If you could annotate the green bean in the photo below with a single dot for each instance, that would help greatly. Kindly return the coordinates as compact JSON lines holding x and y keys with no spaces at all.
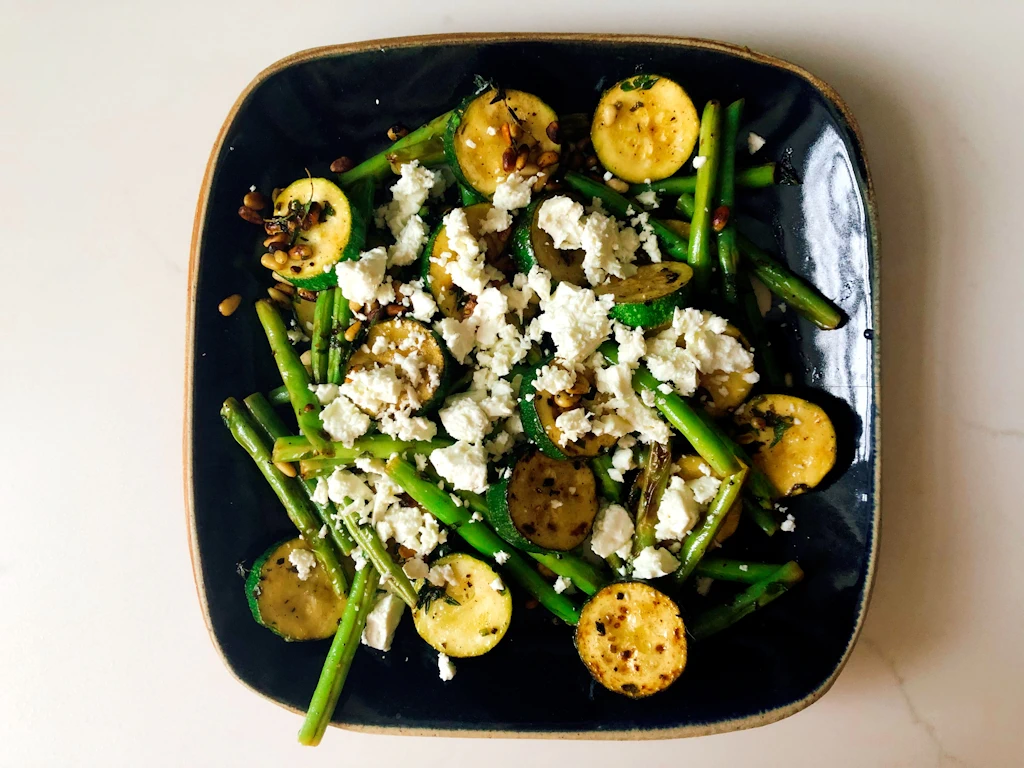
{"x":746,"y":602}
{"x":698,"y":540}
{"x":728,"y":253}
{"x":699,"y":255}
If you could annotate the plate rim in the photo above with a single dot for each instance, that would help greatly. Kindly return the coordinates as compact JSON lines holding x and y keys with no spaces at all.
{"x":434,"y":40}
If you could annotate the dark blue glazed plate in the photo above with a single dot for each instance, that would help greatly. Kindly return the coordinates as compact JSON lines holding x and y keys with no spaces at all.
{"x":314,"y":106}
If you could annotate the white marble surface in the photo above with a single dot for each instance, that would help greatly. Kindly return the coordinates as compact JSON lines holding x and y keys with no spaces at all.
{"x":108,"y":112}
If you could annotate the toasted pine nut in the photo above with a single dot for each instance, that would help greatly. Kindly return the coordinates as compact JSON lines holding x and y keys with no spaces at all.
{"x":300,"y":252}
{"x":553,"y":185}
{"x":552,"y":131}
{"x":253,"y":217}
{"x":508,"y":159}
{"x":580,"y":387}
{"x":355,"y":306}
{"x":720,"y":218}
{"x":609,"y":113}
{"x":229,"y":305}
{"x":275,"y":241}
{"x":278,"y":297}
{"x":530,"y":169}
{"x":566,"y":400}
{"x":268,"y":261}
{"x":286,"y":288}
{"x":547,"y":159}
{"x":405,"y":552}
{"x":590,"y":161}
{"x":353,"y":330}
{"x":397,"y":131}
{"x":514,"y":130}
{"x":506,"y":133}
{"x":254,"y":200}
{"x":283,"y":281}
{"x":340,"y":165}
{"x":281,"y":257}
{"x":618,"y":185}
{"x":286,"y":468}
{"x":307,"y":295}
{"x":394,"y":310}
{"x":306,"y":358}
{"x":521,"y":157}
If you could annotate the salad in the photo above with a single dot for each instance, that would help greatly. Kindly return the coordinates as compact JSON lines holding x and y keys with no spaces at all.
{"x":524,"y":367}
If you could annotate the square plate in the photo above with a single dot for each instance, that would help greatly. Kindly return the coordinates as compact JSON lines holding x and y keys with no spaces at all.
{"x":311,"y":107}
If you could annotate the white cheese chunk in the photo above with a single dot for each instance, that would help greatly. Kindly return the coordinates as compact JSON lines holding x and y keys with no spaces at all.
{"x":360,"y":279}
{"x":382,"y":621}
{"x":343,"y":421}
{"x":572,"y":425}
{"x":445,"y":667}
{"x":464,"y":419}
{"x":678,"y":511}
{"x":561,"y":584}
{"x":654,"y":562}
{"x":304,"y":562}
{"x":463,"y":464}
{"x":613,"y":532}
{"x":513,"y":192}
{"x":754,"y":142}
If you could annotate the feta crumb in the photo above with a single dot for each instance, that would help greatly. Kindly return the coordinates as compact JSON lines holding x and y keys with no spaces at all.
{"x":704,"y":488}
{"x":360,"y":279}
{"x":476,"y":517}
{"x":608,"y":176}
{"x":382,"y":621}
{"x":665,"y":388}
{"x":445,"y":668}
{"x":572,"y":425}
{"x":577,"y":321}
{"x":463,"y":465}
{"x":343,"y":421}
{"x":561,"y":218}
{"x":440,"y":575}
{"x":323,"y":529}
{"x":304,"y":562}
{"x":699,"y":160}
{"x":513,"y":192}
{"x":789,"y":524}
{"x":416,"y":568}
{"x":492,"y":131}
{"x":654,"y":562}
{"x":561,"y":584}
{"x":320,"y":493}
{"x":501,"y":557}
{"x":613,"y":532}
{"x":496,"y":220}
{"x":464,"y":419}
{"x":744,"y":567}
{"x":401,"y":426}
{"x":498,"y":585}
{"x":703,"y":584}
{"x":678,"y":511}
{"x":325,"y":393}
{"x":754,"y":142}
{"x":648,"y":199}
{"x":470,"y":143}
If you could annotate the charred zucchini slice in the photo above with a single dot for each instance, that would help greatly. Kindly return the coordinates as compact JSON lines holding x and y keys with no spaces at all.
{"x":451,"y":299}
{"x":632,"y":639}
{"x":648,"y":298}
{"x":539,"y":411}
{"x":476,"y":136}
{"x":393,"y":342}
{"x":794,"y":441}
{"x":287,"y":605}
{"x":644,"y":128}
{"x":532,"y":246}
{"x":544,"y":504}
{"x":338,"y":233}
{"x":468,"y":617}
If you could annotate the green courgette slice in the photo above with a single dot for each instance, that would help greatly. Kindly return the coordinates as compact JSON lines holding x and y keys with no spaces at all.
{"x":285,"y":604}
{"x":465,"y":618}
{"x":544,"y":504}
{"x":648,"y":298}
{"x":539,"y":412}
{"x":452,"y":300}
{"x":339,"y":233}
{"x":390,"y":340}
{"x":532,"y":246}
{"x":644,"y":128}
{"x":631,"y":639}
{"x":475,"y":139}
{"x":303,"y":309}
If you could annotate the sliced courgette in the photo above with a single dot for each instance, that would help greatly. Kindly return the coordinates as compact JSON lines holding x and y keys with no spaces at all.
{"x":338,"y":233}
{"x":466,"y":618}
{"x":532,"y":246}
{"x":539,"y":412}
{"x":285,"y":604}
{"x":452,"y":300}
{"x":793,"y":440}
{"x":632,"y":639}
{"x":392,"y":341}
{"x":689,"y":467}
{"x":727,"y":391}
{"x":648,"y":298}
{"x":303,"y":310}
{"x":644,"y":128}
{"x":476,"y":140}
{"x":544,"y":504}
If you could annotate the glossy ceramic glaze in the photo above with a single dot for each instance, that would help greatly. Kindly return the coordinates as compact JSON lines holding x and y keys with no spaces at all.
{"x":307,"y":110}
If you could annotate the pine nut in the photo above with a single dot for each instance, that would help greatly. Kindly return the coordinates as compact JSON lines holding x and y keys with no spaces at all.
{"x":581,"y":386}
{"x":353,"y":330}
{"x":618,"y":185}
{"x":275,"y":241}
{"x":547,"y":159}
{"x":229,"y":305}
{"x":506,"y":133}
{"x":340,"y":165}
{"x":720,"y":218}
{"x":300,"y":252}
{"x":267,"y":260}
{"x":307,"y":295}
{"x":254,"y":200}
{"x":283,"y":281}
{"x":590,"y":161}
{"x":566,"y":400}
{"x":286,"y":288}
{"x":514,"y":130}
{"x":253,"y":217}
{"x":530,"y":169}
{"x":552,"y":131}
{"x":508,"y":159}
{"x":278,"y":297}
{"x":306,"y":358}
{"x":355,"y":306}
{"x":397,"y":131}
{"x":281,"y":257}
{"x":521,"y":157}
{"x":394,"y":310}
{"x":609,"y":113}
{"x":286,"y":468}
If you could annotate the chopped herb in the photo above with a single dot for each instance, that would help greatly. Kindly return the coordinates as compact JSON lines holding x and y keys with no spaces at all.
{"x":778,"y":423}
{"x":328,"y":209}
{"x":429,"y":593}
{"x":639,"y":83}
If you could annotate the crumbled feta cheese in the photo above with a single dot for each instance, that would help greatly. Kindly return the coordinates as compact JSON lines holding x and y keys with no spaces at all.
{"x":561,"y":584}
{"x":423,"y":305}
{"x":622,"y":460}
{"x":374,"y":389}
{"x":325,"y":393}
{"x":498,"y":585}
{"x":754,"y":142}
{"x":360,"y":279}
{"x":609,"y":249}
{"x":704,"y":488}
{"x":296,"y":336}
{"x":492,"y":131}
{"x":501,"y":557}
{"x":703,"y":584}
{"x":789,"y":524}
{"x":415,"y":184}
{"x":465,"y":262}
{"x":613,"y":532}
{"x":555,"y":503}
{"x":647,"y":237}
{"x":496,"y":220}
{"x":464,"y":419}
{"x":572,"y":425}
{"x":458,"y":336}
{"x":470,"y":143}
{"x":324,"y":530}
{"x":416,"y":568}
{"x":304,"y":562}
{"x":560,"y":217}
{"x":648,"y":199}
{"x":513,"y":192}
{"x":678,"y":511}
{"x":343,"y":421}
{"x":665,"y":388}
{"x":608,"y":176}
{"x":628,"y":411}
{"x":445,"y":668}
{"x":699,"y":160}
{"x":654,"y":562}
{"x":476,"y":517}
{"x":382,"y":621}
{"x":348,"y":490}
{"x":359,"y":559}
{"x":577,"y":321}
{"x":632,"y":345}
{"x":441,"y":575}
{"x":320,"y":493}
{"x":401,"y":426}
{"x":408,"y":526}
{"x":463,"y":464}
{"x":615,"y":474}
{"x":744,"y":567}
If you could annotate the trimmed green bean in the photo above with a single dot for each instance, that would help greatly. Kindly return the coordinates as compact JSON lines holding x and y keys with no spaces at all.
{"x":697,"y":541}
{"x":378,"y":167}
{"x":320,"y":340}
{"x":728,"y":253}
{"x":746,"y":602}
